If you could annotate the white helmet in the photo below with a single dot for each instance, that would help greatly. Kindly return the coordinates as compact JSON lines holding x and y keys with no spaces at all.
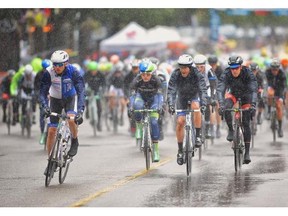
{"x":28,"y":69}
{"x":200,"y":59}
{"x":185,"y":60}
{"x":59,"y":56}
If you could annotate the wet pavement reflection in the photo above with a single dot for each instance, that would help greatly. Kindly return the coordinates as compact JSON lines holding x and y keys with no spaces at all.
{"x":215,"y":187}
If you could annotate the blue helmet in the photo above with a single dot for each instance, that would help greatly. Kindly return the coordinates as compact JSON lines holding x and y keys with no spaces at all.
{"x":146,"y":66}
{"x":46,"y":63}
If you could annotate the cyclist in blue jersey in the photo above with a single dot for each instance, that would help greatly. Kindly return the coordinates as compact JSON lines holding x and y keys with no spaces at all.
{"x":64,"y":84}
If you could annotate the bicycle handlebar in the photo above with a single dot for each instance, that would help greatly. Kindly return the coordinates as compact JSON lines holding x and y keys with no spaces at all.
{"x":187,"y":110}
{"x":146,"y":110}
{"x":62,"y":116}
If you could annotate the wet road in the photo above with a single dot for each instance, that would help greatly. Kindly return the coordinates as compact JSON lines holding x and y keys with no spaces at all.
{"x":109,"y":171}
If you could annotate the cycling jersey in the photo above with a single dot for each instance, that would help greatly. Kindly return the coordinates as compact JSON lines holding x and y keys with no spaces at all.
{"x":63,"y":86}
{"x":187,"y":87}
{"x":278,"y":83}
{"x":244,"y":84}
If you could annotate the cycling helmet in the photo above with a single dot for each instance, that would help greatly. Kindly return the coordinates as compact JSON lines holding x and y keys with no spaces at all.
{"x":92,"y":66}
{"x":146,"y":66}
{"x":11,"y":72}
{"x":185,"y":59}
{"x":114,"y":59}
{"x":275,"y":63}
{"x":254,"y":66}
{"x":28,"y":69}
{"x":235,"y":61}
{"x":135,"y":63}
{"x":154,"y":60}
{"x":46,"y":63}
{"x":284,"y":62}
{"x":59,"y":56}
{"x":200,"y":59}
{"x":212,"y":59}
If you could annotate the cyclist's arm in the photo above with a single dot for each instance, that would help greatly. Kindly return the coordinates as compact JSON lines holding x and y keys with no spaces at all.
{"x":44,"y":89}
{"x":253,"y":86}
{"x":221,"y":88}
{"x":202,"y":89}
{"x":172,"y":89}
{"x":79,"y":85}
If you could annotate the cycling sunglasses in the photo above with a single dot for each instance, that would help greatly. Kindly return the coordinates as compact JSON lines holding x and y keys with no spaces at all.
{"x":58,"y":64}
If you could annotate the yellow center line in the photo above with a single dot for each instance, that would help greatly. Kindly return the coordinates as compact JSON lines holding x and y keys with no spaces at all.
{"x":116,"y":185}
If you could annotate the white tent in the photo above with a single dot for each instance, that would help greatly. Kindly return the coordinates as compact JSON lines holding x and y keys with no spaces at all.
{"x":164,"y":34}
{"x":133,"y":37}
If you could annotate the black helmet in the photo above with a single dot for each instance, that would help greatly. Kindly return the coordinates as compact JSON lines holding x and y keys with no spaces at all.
{"x":212,"y":59}
{"x":254,"y":66}
{"x":275,"y":63}
{"x":235,"y":61}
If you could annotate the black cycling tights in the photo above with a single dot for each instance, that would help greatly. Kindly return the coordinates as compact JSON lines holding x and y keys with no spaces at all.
{"x":245,"y":121}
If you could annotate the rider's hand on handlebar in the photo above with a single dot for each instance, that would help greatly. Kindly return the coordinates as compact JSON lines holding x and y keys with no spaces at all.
{"x":221,"y":110}
{"x":171,"y":109}
{"x":47,"y":111}
{"x":79,"y":118}
{"x":252,"y":110}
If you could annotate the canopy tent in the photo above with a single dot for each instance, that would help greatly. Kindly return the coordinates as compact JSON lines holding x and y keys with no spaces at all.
{"x":133,"y":37}
{"x":164,"y":34}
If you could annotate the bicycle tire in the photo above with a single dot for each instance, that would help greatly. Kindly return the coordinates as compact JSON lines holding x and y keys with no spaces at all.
{"x":93,"y":121}
{"x":237,"y":153}
{"x":146,"y":147}
{"x":63,"y":170}
{"x":9,"y":117}
{"x":273,"y":125}
{"x":188,"y":153}
{"x":115,"y":120}
{"x":50,"y":172}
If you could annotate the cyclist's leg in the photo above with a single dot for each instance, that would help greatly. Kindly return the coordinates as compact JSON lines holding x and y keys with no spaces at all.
{"x":207,"y":117}
{"x":69,"y":109}
{"x":218,"y":121}
{"x":55,"y":106}
{"x":180,"y":123}
{"x":247,"y":135}
{"x":279,"y":110}
{"x":229,"y":102}
{"x":197,"y":122}
{"x":156,"y":104}
{"x":4,"y":106}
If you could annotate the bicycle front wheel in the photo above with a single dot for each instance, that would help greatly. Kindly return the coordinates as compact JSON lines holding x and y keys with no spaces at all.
{"x":64,"y":169}
{"x":51,"y":167}
{"x":238,"y":153}
{"x":188,"y":153}
{"x":273,"y":125}
{"x":146,"y":148}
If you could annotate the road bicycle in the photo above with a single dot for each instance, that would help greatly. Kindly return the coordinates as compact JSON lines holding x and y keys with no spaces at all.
{"x":238,"y":139}
{"x":189,"y":137}
{"x":93,"y":112}
{"x":9,"y":111}
{"x":144,"y":131}
{"x":27,"y":118}
{"x":59,"y":160}
{"x":274,"y":122}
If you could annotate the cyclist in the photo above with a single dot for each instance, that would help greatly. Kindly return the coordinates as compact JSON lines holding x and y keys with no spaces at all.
{"x":210,"y":79}
{"x":116,"y":90}
{"x":238,"y":81}
{"x":164,"y":77}
{"x":96,"y":83}
{"x":146,"y":88}
{"x":218,"y":70}
{"x":45,"y":64}
{"x":5,"y":90}
{"x":256,"y":71}
{"x":186,"y":83}
{"x":26,"y":89}
{"x":276,"y":81}
{"x":63,"y":83}
{"x":127,"y":91}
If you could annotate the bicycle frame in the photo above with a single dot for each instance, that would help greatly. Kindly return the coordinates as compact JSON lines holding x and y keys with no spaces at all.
{"x":26,"y":122}
{"x":93,"y":112}
{"x":146,"y":144}
{"x":58,"y":157}
{"x":238,"y":139}
{"x":189,"y":138}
